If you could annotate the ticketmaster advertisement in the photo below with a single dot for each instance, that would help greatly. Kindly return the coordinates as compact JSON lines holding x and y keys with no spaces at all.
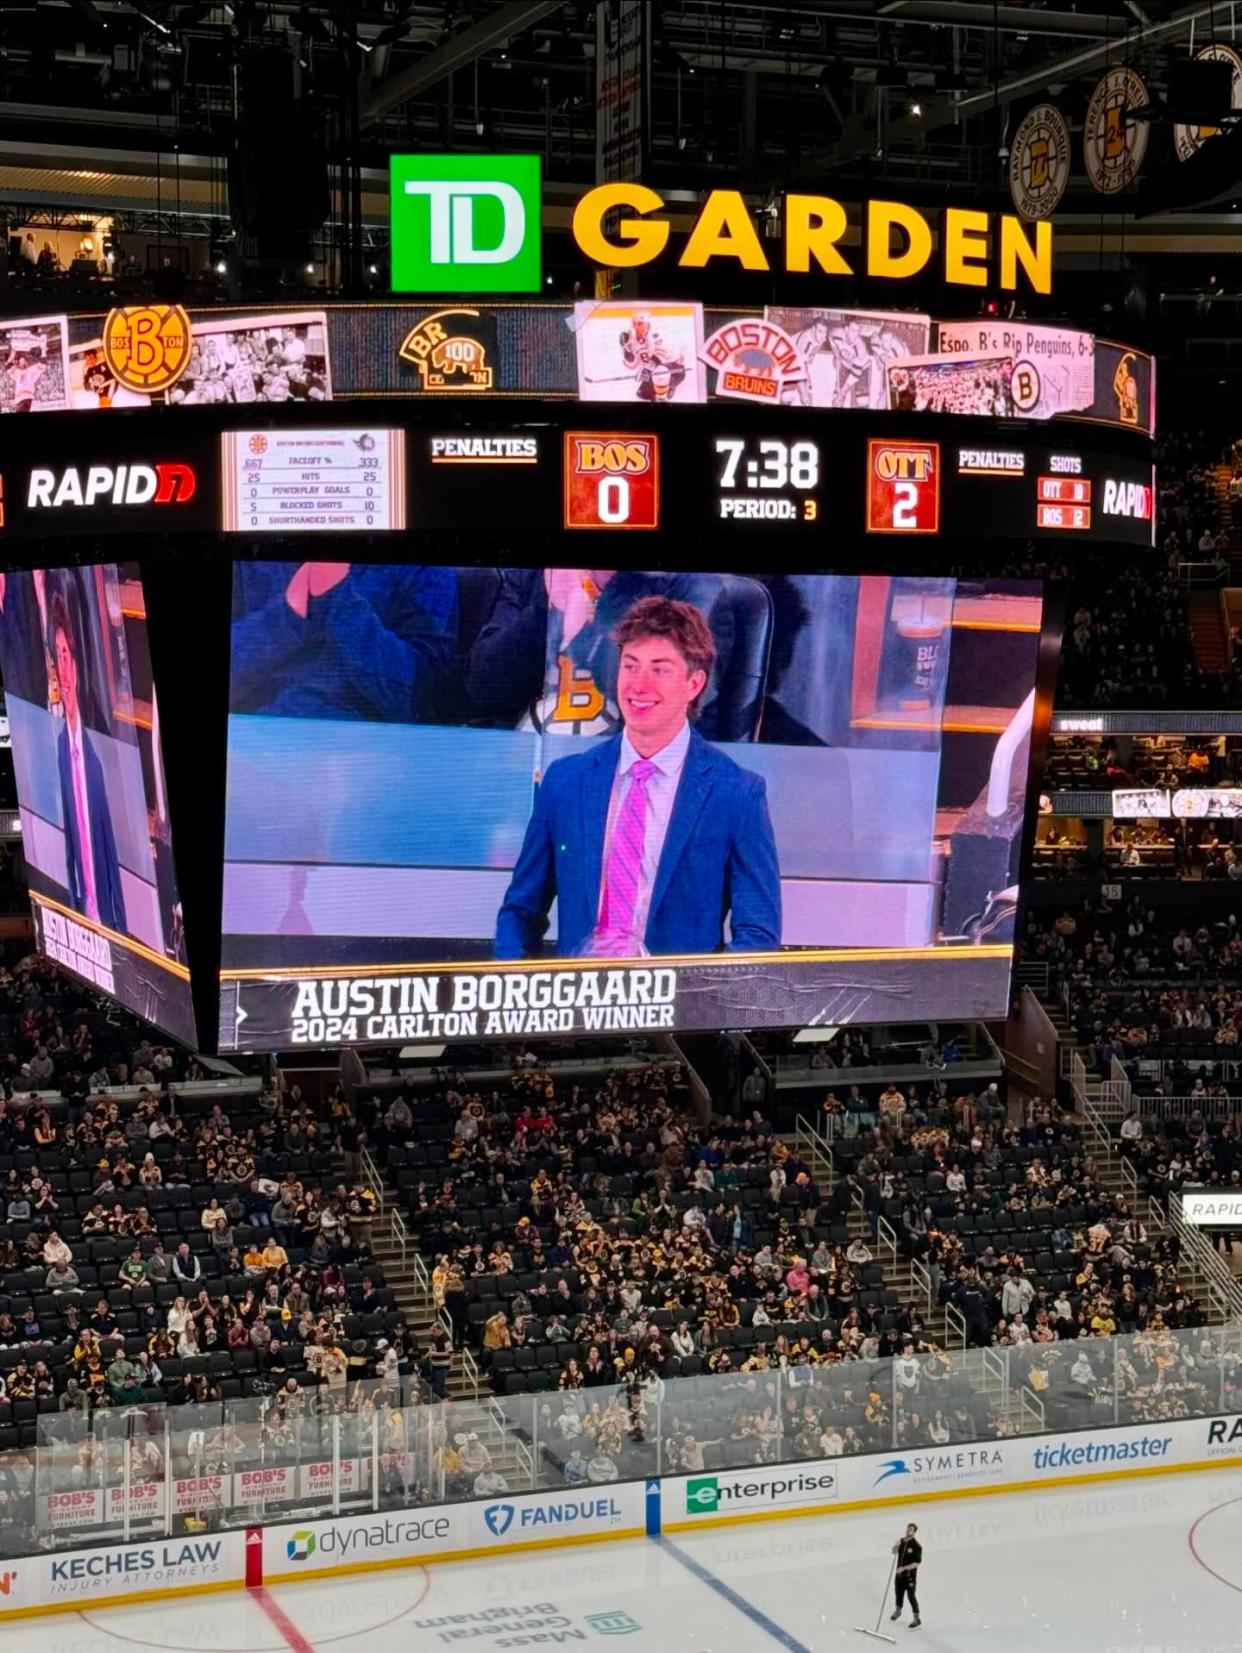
{"x":547,"y":801}
{"x":160,"y":1563}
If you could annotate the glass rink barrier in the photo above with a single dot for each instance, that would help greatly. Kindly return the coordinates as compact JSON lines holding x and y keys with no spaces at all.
{"x":151,"y":1471}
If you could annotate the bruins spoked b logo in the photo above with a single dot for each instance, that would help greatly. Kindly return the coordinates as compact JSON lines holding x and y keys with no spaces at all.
{"x":1039,"y":162}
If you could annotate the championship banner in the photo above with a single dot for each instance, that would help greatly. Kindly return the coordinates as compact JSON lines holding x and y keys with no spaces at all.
{"x":1053,"y":367}
{"x":267,"y":1011}
{"x":622,"y":75}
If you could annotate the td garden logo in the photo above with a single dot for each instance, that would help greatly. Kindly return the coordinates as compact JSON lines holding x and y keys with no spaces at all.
{"x":301,"y":1546}
{"x":465,"y":223}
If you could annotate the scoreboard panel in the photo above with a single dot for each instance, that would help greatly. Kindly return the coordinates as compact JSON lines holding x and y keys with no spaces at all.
{"x":903,"y":487}
{"x":809,"y":474}
{"x":313,"y":481}
{"x":611,"y":479}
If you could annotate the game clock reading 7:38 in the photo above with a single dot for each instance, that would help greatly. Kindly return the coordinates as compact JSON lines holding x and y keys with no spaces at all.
{"x":767,"y":480}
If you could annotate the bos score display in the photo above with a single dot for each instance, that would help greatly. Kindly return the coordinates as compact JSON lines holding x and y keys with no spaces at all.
{"x":612,"y":480}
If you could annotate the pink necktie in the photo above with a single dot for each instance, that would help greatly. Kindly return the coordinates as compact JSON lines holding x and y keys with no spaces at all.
{"x":84,"y":844}
{"x":625,"y":861}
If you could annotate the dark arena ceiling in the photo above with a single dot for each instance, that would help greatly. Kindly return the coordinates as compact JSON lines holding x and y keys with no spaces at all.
{"x":135,"y":106}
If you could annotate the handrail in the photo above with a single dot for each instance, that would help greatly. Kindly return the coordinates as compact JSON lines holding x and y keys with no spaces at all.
{"x":422,"y":1279}
{"x":1128,"y":1175}
{"x":469,"y":1364}
{"x":1029,"y":1401}
{"x":955,"y":1322}
{"x":920,"y":1277}
{"x":886,"y":1239}
{"x":1161,"y":1108}
{"x":400,"y":1238}
{"x":526,"y":1461}
{"x":374,"y":1180}
{"x":818,"y":1142}
{"x":1098,"y":1130}
{"x":998,"y":1365}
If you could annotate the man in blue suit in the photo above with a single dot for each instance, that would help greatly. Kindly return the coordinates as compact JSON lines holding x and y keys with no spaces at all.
{"x":93,"y":869}
{"x":648,"y":840}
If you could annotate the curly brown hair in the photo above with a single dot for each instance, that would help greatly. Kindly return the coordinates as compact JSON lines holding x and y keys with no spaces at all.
{"x":680,"y":624}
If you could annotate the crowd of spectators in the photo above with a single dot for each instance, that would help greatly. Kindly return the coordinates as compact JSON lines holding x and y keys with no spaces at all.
{"x":157,"y":1249}
{"x":1134,"y":984}
{"x":1093,"y":763}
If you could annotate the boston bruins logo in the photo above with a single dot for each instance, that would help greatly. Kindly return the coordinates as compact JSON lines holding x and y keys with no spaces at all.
{"x":1039,"y":162}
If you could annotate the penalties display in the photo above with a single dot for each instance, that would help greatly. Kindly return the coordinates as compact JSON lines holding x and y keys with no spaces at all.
{"x":818,"y":475}
{"x":308,"y":481}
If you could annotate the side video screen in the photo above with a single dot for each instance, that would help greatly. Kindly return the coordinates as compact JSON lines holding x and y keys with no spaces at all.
{"x":500,"y":802}
{"x":90,"y":785}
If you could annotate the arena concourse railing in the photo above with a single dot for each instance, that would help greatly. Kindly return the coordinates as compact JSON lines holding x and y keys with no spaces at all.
{"x":148,"y":1472}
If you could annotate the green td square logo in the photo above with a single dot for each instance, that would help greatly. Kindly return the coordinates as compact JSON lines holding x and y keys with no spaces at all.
{"x":465,"y":223}
{"x":702,"y":1495}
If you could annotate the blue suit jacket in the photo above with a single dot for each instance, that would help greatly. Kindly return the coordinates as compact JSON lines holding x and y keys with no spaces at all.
{"x":719,"y":859}
{"x":108,"y":891}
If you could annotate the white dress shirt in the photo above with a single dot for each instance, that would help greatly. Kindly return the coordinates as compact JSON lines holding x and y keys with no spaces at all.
{"x":661,"y":796}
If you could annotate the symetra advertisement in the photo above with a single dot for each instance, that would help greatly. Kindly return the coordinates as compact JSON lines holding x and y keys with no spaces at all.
{"x":160,"y":1565}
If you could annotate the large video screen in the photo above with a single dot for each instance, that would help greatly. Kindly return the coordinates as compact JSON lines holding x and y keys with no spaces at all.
{"x":505,"y":802}
{"x":90,"y":785}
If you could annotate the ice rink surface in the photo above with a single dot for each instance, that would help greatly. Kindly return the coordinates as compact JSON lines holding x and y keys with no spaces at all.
{"x":1146,"y":1566}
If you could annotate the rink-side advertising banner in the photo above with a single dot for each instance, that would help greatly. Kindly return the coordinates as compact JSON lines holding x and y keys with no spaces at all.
{"x":261,"y":1011}
{"x":647,"y":352}
{"x":157,"y":1564}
